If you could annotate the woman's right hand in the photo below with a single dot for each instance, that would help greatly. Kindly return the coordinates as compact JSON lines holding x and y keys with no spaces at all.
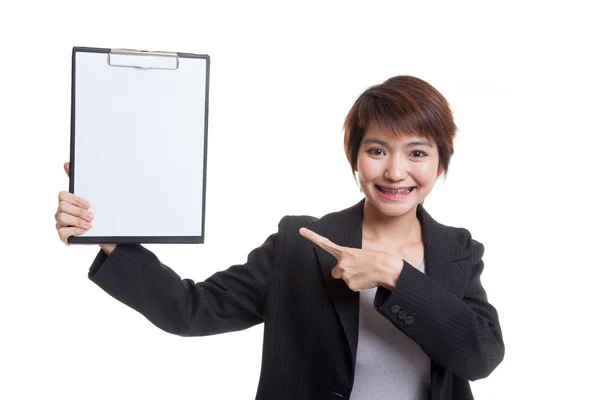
{"x":74,"y":218}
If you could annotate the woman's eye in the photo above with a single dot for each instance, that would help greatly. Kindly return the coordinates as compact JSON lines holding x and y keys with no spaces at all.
{"x":376,"y":152}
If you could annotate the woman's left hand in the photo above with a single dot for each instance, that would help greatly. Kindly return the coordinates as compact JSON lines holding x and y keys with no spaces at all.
{"x":360,"y":268}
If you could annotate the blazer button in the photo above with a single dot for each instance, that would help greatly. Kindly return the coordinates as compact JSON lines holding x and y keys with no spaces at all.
{"x":409,"y":320}
{"x":395,"y":309}
{"x":402,"y":315}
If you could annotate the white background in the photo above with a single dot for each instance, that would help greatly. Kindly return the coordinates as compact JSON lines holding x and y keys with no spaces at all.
{"x":521,"y":78}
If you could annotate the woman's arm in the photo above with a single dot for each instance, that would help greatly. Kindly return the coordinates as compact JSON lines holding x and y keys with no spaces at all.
{"x":229,"y":300}
{"x":462,"y":334}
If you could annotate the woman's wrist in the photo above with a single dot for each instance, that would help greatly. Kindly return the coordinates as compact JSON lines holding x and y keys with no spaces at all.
{"x":108,"y":248}
{"x":392,"y":274}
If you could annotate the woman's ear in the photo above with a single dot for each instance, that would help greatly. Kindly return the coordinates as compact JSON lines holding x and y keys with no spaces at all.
{"x":440,"y":170}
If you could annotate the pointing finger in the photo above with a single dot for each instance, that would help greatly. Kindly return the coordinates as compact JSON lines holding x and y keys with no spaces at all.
{"x":324,"y":243}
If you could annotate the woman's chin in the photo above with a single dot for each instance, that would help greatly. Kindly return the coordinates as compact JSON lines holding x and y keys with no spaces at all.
{"x":393,"y":209}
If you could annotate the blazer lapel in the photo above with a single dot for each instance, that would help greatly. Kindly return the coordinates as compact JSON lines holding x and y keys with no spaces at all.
{"x":446,"y":261}
{"x":345,"y":229}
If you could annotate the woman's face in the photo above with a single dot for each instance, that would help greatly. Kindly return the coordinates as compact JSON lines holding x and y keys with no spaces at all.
{"x":388,"y":162}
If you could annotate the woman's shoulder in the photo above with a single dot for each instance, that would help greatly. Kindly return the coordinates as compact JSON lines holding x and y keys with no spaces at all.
{"x":327,"y":225}
{"x":295,"y":222}
{"x":457,"y":235}
{"x":470,"y":245}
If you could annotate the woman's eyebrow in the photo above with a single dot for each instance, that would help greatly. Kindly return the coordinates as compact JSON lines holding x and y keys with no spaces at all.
{"x":376,"y":141}
{"x":410,"y":144}
{"x":419,"y":143}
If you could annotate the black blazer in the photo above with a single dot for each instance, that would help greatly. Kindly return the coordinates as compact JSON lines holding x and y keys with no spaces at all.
{"x":311,"y":319}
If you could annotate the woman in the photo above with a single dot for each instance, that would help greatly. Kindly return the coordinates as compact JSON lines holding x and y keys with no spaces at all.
{"x":376,"y":301}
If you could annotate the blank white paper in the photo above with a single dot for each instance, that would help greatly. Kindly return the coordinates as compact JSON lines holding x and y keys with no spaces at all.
{"x":139,"y":146}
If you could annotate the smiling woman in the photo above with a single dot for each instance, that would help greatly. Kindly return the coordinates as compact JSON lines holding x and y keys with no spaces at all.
{"x":396,"y":307}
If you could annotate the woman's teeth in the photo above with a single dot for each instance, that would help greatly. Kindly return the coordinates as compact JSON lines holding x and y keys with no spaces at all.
{"x":398,"y":191}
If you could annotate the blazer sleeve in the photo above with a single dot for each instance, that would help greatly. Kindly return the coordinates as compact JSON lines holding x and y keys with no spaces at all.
{"x":229,"y":300}
{"x":461,"y":334}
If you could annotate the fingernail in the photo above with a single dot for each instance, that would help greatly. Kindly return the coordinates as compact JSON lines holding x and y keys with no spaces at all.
{"x":87,"y":225}
{"x":90,"y":215}
{"x":87,"y":204}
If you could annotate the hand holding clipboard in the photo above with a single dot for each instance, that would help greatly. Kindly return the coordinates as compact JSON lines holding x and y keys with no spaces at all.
{"x":74,"y":217}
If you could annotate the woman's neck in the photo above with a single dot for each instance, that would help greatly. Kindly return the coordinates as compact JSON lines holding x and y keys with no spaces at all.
{"x":385,"y":229}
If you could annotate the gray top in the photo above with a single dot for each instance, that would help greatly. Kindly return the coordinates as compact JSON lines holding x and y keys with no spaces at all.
{"x":389,"y":364}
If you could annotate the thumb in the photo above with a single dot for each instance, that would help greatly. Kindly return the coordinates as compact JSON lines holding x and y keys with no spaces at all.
{"x":67,"y":167}
{"x":336,"y":272}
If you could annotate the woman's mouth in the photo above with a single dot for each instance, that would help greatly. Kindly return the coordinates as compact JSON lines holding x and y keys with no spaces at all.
{"x":390,"y":193}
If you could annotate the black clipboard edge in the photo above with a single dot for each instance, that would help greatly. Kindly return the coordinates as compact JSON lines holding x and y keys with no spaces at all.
{"x":135,"y":239}
{"x":138,"y":239}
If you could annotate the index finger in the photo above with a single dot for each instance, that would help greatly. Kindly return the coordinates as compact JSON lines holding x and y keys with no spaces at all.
{"x":71,"y":198}
{"x":324,"y":243}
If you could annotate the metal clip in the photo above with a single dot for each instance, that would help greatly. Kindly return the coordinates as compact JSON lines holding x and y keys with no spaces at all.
{"x":115,"y":59}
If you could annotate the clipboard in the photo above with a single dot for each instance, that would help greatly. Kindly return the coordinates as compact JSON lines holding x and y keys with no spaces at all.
{"x":139,"y":127}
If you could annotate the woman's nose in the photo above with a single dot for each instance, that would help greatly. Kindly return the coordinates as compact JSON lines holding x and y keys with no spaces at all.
{"x":396,"y":169}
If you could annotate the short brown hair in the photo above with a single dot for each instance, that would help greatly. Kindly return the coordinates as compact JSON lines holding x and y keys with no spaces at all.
{"x":404,"y":104}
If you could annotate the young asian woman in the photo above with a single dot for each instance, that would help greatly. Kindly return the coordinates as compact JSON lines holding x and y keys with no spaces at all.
{"x":377,"y":301}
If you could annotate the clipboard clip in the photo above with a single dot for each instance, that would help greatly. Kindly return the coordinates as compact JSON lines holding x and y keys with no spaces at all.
{"x":142,"y":59}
